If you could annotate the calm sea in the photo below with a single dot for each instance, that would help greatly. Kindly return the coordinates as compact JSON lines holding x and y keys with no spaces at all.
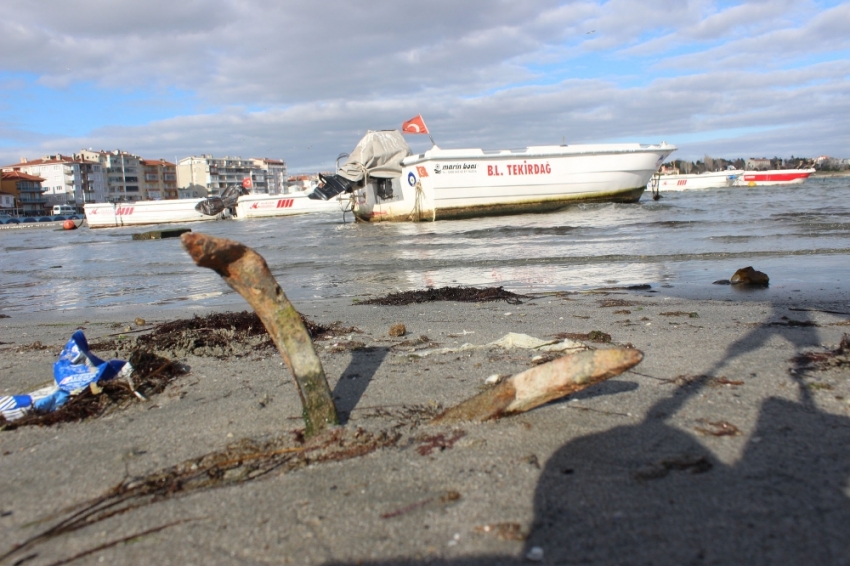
{"x":680,"y":244}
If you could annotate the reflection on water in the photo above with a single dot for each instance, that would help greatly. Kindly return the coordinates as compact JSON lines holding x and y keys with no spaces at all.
{"x":798,"y":235}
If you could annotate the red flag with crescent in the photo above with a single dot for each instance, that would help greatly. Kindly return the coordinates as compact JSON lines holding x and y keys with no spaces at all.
{"x":415,"y":126}
{"x":247,"y":183}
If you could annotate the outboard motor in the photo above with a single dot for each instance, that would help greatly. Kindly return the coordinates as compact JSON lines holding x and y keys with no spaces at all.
{"x":329,"y":187}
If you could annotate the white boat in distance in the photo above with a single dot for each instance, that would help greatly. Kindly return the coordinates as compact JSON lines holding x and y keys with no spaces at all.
{"x":774,"y":177}
{"x":388,"y":183}
{"x":707,"y":180}
{"x":266,"y":206}
{"x":110,"y":215}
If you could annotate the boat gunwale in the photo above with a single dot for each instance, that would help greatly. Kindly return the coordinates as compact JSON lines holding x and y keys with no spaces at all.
{"x":454,"y":154}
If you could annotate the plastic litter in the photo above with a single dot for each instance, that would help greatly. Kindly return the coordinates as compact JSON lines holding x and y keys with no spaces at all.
{"x":75,"y":370}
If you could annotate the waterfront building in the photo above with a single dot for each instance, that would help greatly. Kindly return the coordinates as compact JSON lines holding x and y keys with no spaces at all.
{"x":123,"y":171}
{"x":26,"y":190}
{"x":275,"y":175}
{"x":67,"y":180}
{"x":160,"y":179}
{"x":205,"y":175}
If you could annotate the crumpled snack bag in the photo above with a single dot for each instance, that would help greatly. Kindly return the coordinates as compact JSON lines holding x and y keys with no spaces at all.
{"x":75,"y":369}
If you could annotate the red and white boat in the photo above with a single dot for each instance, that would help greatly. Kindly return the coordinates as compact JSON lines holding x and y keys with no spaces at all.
{"x":707,"y":180}
{"x":267,"y":206}
{"x":774,"y":177}
{"x":110,"y":215}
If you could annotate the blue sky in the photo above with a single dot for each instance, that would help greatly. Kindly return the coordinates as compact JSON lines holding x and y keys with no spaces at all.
{"x":303,"y":81}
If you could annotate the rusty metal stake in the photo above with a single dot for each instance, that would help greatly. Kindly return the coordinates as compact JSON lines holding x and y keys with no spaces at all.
{"x":538,"y":385}
{"x":248,"y":274}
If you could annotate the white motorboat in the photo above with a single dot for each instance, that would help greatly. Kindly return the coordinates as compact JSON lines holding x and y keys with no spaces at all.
{"x":386,"y":182}
{"x":707,"y":180}
{"x":108,"y":215}
{"x":774,"y":177}
{"x":265,"y":206}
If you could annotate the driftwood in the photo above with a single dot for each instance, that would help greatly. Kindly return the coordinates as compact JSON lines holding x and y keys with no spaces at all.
{"x":541,"y":384}
{"x":248,"y":274}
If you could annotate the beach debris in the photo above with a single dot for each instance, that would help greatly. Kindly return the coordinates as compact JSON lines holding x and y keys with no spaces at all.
{"x":503,"y":531}
{"x":751,"y":277}
{"x":534,"y":554}
{"x":150,"y":375}
{"x":73,"y":372}
{"x":837,"y":358}
{"x":679,"y":313}
{"x":691,"y":463}
{"x":442,"y":500}
{"x":240,"y":462}
{"x":460,"y":294}
{"x":717,"y":428}
{"x":429,"y":443}
{"x":541,"y":384}
{"x":592,"y":336}
{"x":398,"y":330}
{"x":493,"y":379}
{"x":161,"y":234}
{"x":508,"y":341}
{"x":247,"y":273}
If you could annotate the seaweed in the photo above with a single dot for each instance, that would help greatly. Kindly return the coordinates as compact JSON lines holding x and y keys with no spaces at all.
{"x":460,"y":294}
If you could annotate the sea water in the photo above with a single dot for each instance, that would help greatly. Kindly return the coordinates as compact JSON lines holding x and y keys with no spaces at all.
{"x":680,"y":245}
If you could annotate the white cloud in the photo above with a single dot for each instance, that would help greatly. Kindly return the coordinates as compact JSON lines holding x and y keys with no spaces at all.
{"x":303,"y":81}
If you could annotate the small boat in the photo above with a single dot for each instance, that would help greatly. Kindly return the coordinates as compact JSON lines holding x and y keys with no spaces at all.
{"x":774,"y":177}
{"x":388,"y":183}
{"x":110,"y":215}
{"x":707,"y":180}
{"x":265,"y":206}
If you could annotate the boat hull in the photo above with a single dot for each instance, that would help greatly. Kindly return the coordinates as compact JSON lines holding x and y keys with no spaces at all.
{"x":775,"y":177}
{"x":268,"y":206}
{"x":712,"y":180}
{"x":453,"y":184}
{"x":110,"y":215}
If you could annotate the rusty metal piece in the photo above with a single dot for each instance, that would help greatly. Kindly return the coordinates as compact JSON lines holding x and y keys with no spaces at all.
{"x":541,"y":384}
{"x":248,"y":274}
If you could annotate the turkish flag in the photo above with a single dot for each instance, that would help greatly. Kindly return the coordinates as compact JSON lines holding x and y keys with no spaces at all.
{"x":415,"y":126}
{"x":247,"y":183}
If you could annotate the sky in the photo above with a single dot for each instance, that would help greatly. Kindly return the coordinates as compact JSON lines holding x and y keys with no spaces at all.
{"x":303,"y":81}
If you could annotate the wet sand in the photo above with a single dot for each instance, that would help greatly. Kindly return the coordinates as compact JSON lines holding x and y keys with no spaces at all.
{"x":718,"y":447}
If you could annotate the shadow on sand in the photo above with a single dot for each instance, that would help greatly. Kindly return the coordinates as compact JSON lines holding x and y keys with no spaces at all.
{"x":652,"y":494}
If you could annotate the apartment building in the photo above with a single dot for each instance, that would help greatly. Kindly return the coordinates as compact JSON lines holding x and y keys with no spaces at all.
{"x":26,"y":192}
{"x":160,"y":179}
{"x":123,"y":174}
{"x":275,"y":174}
{"x":66,"y":180}
{"x":204,"y":175}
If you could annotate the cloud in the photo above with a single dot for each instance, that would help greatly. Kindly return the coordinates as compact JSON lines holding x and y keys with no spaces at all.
{"x":303,"y":81}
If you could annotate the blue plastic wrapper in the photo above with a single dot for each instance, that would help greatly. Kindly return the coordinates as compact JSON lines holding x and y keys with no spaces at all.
{"x":75,"y":370}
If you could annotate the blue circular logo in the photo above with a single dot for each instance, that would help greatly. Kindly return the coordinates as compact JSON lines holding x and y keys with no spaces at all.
{"x":411,"y":178}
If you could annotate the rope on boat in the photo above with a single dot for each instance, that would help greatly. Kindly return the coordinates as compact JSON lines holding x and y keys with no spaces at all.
{"x":416,"y":213}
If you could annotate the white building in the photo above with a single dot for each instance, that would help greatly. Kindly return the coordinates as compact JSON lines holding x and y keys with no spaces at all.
{"x":123,"y":173}
{"x":205,"y":175}
{"x":67,"y":180}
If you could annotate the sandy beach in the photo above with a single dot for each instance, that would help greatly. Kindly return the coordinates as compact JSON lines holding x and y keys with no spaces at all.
{"x":723,"y":446}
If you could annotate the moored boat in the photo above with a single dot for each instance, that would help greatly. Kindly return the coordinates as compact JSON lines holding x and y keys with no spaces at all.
{"x":109,"y":215}
{"x":265,"y":206}
{"x":707,"y":180}
{"x":774,"y":177}
{"x":387,"y":183}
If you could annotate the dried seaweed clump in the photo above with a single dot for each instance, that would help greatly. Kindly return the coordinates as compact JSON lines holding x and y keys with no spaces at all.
{"x":151,"y":374}
{"x":460,"y":294}
{"x":839,"y":357}
{"x":219,"y":335}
